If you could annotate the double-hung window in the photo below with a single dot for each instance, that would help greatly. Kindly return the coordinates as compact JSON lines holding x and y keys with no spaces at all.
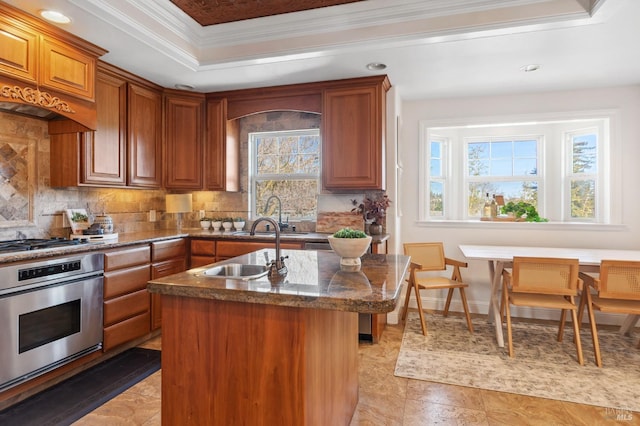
{"x":559,"y":166}
{"x":285,"y":164}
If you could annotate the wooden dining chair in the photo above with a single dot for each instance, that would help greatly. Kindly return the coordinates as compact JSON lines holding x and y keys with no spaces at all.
{"x":544,"y":283}
{"x":427,"y":258}
{"x":616,"y":290}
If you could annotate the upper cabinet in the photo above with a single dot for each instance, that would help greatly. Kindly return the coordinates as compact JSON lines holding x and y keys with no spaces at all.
{"x":222,"y":148}
{"x":144,"y":114}
{"x":126,"y":148}
{"x":183,"y":134}
{"x":43,"y":66}
{"x":353,"y":134}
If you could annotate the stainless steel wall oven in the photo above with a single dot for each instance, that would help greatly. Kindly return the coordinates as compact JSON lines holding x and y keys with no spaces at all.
{"x":50,"y":314}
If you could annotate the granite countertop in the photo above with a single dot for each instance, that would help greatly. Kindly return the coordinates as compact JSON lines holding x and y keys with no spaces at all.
{"x":129,"y":239}
{"x":314,"y":280}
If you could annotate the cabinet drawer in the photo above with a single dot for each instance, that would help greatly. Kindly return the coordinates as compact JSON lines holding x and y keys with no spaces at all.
{"x":164,"y":250}
{"x":117,"y":283}
{"x":197,"y":261}
{"x":168,"y":267}
{"x":125,"y":331}
{"x":127,"y":306}
{"x":128,"y":257}
{"x":203,"y":247}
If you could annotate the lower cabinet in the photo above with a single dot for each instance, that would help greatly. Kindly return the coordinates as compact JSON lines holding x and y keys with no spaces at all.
{"x":203,"y":252}
{"x":168,"y":257}
{"x":228,"y":249}
{"x":126,"y":299}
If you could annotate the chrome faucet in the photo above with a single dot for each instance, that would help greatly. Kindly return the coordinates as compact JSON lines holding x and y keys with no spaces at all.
{"x":266,"y":206}
{"x":277,"y":268}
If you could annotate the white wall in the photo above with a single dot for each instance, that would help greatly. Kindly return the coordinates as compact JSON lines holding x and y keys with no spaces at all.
{"x":625,"y":100}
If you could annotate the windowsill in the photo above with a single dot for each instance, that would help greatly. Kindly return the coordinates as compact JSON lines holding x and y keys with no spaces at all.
{"x":537,"y":226}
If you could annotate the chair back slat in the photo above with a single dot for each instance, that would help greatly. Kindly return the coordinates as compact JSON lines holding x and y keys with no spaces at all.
{"x":619,"y":279}
{"x":429,"y":255}
{"x":545,"y":275}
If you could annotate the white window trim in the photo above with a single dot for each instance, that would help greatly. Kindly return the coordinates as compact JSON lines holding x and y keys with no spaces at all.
{"x":612,"y":192}
{"x":253,"y":208}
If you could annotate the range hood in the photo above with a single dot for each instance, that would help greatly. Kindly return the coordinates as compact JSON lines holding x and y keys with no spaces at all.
{"x":31,"y":111}
{"x":19,"y":98}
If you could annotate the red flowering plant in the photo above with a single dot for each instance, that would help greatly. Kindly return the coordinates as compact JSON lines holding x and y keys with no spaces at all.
{"x":372,"y":208}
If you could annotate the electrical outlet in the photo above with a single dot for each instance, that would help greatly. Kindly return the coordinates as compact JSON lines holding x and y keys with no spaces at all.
{"x":152,"y":215}
{"x":201,"y":214}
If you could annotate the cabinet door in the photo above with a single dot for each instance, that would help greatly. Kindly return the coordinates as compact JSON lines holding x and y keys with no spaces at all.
{"x":145,"y":137}
{"x":183,"y":153}
{"x":104,"y":151}
{"x":353,"y":138}
{"x":18,"y":53}
{"x":67,"y":69}
{"x":221,"y":149}
{"x":159,"y":270}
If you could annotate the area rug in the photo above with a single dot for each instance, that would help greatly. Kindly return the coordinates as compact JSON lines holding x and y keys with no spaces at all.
{"x":77,"y":396}
{"x":542,"y":366}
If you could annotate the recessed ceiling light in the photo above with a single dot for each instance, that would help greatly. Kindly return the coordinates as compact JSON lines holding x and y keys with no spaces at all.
{"x":530,"y":68}
{"x":376,"y":66}
{"x":184,"y":87}
{"x":55,"y":16}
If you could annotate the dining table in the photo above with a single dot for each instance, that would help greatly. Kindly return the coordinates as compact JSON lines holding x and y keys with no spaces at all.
{"x":500,"y":257}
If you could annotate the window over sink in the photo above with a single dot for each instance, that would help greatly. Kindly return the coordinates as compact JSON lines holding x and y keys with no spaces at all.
{"x":286,"y":164}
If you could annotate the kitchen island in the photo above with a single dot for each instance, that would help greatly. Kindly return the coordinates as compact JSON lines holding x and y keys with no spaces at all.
{"x":259,"y":352}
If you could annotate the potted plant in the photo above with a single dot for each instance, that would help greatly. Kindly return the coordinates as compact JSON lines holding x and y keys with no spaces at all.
{"x":238,"y":223}
{"x":523,"y":211}
{"x":227,"y":223}
{"x":216,"y":223}
{"x":350,"y":244}
{"x":373,"y":210}
{"x":205,"y":222}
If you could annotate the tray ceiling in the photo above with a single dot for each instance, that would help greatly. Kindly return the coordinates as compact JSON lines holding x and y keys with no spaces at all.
{"x":222,"y":11}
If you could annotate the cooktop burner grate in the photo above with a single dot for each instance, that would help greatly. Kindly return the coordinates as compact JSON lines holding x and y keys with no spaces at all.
{"x":11,"y":246}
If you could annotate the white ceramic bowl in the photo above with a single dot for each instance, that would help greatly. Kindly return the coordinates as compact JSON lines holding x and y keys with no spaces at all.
{"x":350,"y":249}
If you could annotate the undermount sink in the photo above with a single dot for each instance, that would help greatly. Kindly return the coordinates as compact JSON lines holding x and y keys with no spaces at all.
{"x":237,"y":271}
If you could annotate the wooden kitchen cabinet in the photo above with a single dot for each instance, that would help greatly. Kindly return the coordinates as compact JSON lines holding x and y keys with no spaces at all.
{"x":104,"y":152}
{"x":353,"y":134}
{"x":167,"y":258}
{"x":66,"y":68}
{"x":222,"y":149}
{"x":126,"y":148}
{"x":203,"y":252}
{"x":127,"y":309}
{"x":144,"y":136}
{"x":184,"y":143}
{"x":45,"y":67}
{"x":227,"y":249}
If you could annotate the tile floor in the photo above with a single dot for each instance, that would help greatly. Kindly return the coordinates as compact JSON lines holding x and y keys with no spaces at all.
{"x":389,"y":400}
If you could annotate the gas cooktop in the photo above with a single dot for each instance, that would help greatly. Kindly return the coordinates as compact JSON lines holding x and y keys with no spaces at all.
{"x":11,"y":246}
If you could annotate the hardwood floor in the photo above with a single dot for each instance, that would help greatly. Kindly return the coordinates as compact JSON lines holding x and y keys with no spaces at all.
{"x":389,"y":400}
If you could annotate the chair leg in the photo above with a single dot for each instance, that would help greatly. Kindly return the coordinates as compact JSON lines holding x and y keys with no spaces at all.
{"x":422,"y":322}
{"x":406,"y":299}
{"x":448,"y":303}
{"x":594,"y":332}
{"x":505,"y":299}
{"x":576,"y":330}
{"x":463,"y":296}
{"x":563,"y":317}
